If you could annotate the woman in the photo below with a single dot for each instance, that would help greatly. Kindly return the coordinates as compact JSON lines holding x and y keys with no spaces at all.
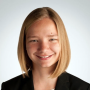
{"x":44,"y":55}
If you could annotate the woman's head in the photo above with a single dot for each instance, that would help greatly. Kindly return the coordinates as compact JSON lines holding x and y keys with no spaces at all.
{"x":36,"y":16}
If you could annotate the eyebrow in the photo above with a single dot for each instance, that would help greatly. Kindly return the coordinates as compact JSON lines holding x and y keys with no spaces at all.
{"x":37,"y":36}
{"x":52,"y":35}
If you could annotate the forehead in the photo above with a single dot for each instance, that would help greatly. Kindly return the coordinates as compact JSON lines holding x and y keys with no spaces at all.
{"x":45,"y":25}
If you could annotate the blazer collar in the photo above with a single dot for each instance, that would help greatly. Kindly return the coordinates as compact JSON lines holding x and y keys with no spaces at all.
{"x":29,"y":82}
{"x":62,"y":82}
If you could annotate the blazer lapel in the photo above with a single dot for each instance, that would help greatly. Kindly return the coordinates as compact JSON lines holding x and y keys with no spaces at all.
{"x":62,"y":82}
{"x":29,"y":82}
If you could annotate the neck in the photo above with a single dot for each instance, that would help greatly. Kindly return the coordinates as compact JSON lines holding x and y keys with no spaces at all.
{"x":41,"y":78}
{"x":43,"y":72}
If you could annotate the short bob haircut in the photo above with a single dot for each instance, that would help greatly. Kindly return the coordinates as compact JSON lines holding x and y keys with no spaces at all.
{"x":64,"y":59}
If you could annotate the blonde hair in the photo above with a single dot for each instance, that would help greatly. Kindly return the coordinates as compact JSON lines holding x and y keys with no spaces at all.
{"x":65,"y":53}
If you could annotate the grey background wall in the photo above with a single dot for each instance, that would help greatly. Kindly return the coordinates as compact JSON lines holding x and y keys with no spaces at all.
{"x":76,"y":17}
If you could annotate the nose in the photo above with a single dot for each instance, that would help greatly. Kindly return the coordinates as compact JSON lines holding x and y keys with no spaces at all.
{"x":43,"y":46}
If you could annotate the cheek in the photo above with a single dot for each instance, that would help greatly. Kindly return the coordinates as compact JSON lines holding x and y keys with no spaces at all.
{"x":31,"y":48}
{"x":56,"y":47}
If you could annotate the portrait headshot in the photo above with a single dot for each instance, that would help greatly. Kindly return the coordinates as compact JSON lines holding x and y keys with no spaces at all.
{"x":45,"y":45}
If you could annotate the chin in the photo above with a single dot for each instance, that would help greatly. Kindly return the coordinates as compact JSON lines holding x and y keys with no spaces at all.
{"x":48,"y":65}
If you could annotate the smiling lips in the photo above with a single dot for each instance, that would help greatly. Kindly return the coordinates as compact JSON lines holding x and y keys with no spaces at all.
{"x":44,"y":57}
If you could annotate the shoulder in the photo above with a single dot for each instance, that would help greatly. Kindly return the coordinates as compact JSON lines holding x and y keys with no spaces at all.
{"x":73,"y":82}
{"x":77,"y":83}
{"x":75,"y":79}
{"x":15,"y":83}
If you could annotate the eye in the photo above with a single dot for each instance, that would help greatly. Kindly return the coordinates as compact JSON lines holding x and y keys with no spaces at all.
{"x":53,"y":39}
{"x":33,"y":41}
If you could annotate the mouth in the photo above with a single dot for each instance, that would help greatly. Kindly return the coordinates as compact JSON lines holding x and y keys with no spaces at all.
{"x":45,"y":57}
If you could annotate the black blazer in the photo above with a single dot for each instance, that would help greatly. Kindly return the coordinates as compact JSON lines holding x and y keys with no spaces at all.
{"x":65,"y":81}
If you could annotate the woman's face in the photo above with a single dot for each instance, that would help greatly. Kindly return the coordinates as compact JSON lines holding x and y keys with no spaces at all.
{"x":42,"y":43}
